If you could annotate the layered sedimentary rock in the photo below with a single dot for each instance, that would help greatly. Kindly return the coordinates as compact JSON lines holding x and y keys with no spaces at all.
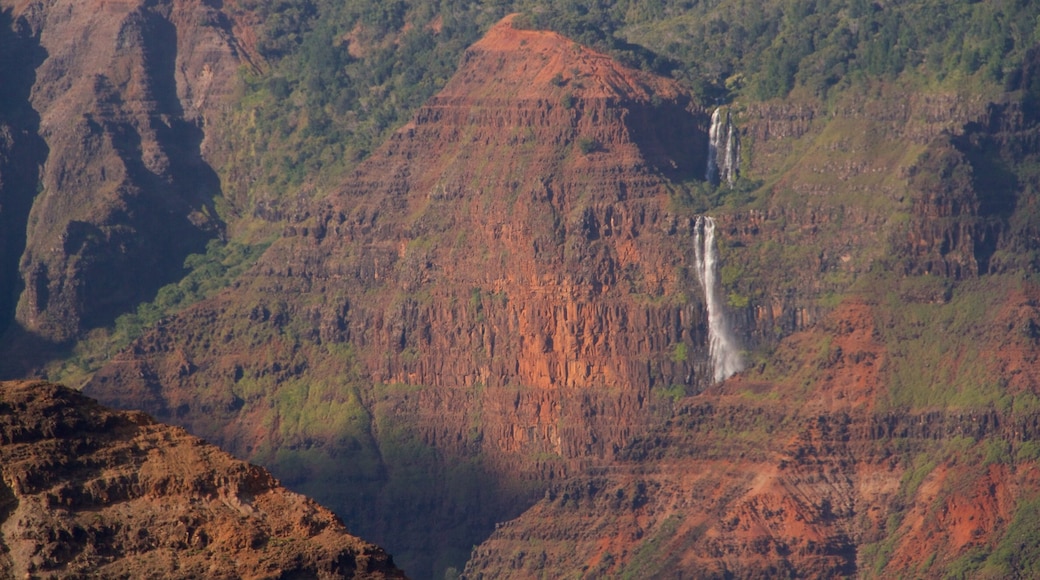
{"x":86,"y":491}
{"x":555,"y":267}
{"x":506,"y":294}
{"x":120,"y":94}
{"x":763,"y":478}
{"x":514,"y":251}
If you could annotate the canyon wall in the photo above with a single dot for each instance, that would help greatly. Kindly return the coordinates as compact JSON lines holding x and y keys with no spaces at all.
{"x":522,"y":294}
{"x":763,"y":477}
{"x":113,"y":100}
{"x":505,"y":295}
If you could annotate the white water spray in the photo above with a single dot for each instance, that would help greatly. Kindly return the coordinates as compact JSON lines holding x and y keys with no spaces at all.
{"x":722,"y":346}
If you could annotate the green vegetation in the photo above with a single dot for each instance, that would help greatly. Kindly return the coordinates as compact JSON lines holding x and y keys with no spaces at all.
{"x":767,"y":49}
{"x":567,"y":101}
{"x":679,"y":352}
{"x":1018,"y":553}
{"x":206,"y":275}
{"x":1015,"y":556}
{"x":651,"y":558}
{"x":933,"y":343}
{"x":589,"y":145}
{"x":339,"y":76}
{"x":675,"y":392}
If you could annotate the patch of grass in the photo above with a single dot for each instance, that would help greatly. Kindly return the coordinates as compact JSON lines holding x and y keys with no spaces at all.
{"x":675,"y":392}
{"x":679,"y":352}
{"x":589,"y":145}
{"x":933,"y":335}
{"x":1018,"y":553}
{"x":650,"y":559}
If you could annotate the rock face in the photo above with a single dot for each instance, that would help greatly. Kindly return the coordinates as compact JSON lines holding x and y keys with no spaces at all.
{"x":21,"y":151}
{"x":111,"y":159}
{"x":505,"y":295}
{"x":755,"y":479}
{"x":519,"y":293}
{"x":89,"y":491}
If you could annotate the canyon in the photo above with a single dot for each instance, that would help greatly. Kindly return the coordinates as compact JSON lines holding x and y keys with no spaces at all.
{"x":504,"y":302}
{"x":569,"y":316}
{"x":511,"y":309}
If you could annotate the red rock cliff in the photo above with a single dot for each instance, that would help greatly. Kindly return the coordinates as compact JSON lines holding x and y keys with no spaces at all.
{"x":512,"y":254}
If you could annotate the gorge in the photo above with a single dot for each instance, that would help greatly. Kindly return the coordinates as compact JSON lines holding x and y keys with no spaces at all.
{"x":515,"y":302}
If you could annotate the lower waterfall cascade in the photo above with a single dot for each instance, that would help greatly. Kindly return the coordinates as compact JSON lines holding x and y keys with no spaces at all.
{"x":722,"y":345}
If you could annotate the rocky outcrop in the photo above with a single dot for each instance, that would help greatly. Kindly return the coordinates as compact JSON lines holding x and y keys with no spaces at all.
{"x":122,"y":92}
{"x":811,"y":499}
{"x":970,"y":202}
{"x":89,"y":491}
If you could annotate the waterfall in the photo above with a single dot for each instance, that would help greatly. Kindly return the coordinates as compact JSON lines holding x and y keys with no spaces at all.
{"x":732,"y":159}
{"x":711,"y":175}
{"x":722,"y":346}
{"x":722,"y":139}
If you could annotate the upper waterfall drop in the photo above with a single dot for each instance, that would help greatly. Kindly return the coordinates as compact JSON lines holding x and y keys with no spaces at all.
{"x":723,"y":149}
{"x":722,"y":345}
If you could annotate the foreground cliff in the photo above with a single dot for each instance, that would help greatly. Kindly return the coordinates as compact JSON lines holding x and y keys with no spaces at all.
{"x":88,"y":491}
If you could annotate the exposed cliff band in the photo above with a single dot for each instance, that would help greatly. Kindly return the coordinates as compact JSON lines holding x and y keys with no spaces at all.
{"x":725,"y":353}
{"x":723,"y":149}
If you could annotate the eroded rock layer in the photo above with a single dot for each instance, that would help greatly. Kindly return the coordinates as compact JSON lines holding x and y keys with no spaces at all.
{"x":89,"y":491}
{"x":505,"y":295}
{"x":763,"y":478}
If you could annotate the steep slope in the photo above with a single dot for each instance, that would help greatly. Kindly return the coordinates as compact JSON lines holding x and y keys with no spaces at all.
{"x":806,"y":475}
{"x":504,"y":287}
{"x":121,"y":93}
{"x":21,"y":153}
{"x":894,"y":437}
{"x":88,"y":491}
